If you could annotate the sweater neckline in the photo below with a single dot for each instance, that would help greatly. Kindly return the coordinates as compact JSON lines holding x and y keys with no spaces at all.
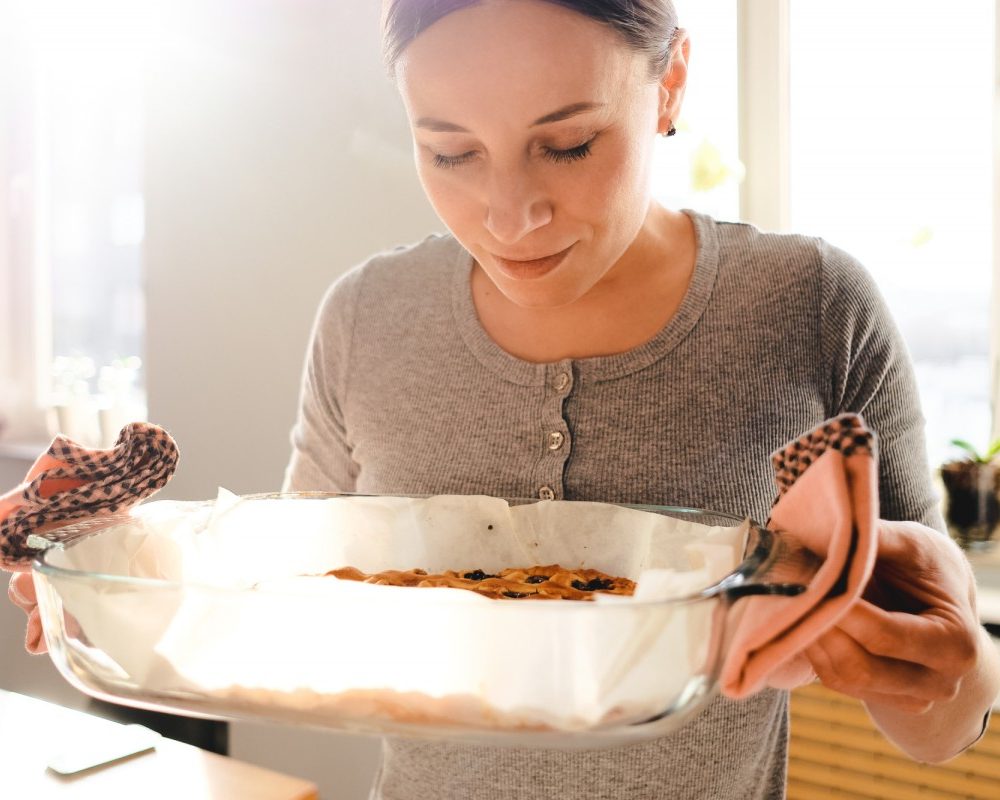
{"x":596,"y":368}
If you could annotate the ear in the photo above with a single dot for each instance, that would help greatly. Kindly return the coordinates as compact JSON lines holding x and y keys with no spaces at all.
{"x":674,"y":81}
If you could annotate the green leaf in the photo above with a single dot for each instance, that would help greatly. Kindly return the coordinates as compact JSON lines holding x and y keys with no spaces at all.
{"x":994,"y":449}
{"x":970,"y":449}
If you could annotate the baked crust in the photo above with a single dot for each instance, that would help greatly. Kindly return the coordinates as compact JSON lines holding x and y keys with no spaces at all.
{"x":551,"y":582}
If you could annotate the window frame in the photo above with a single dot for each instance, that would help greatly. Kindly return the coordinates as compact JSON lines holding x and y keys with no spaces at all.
{"x":995,"y":292}
{"x":764,"y":92}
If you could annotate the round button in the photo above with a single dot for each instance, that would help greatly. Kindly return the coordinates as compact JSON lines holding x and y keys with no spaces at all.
{"x":561,"y":381}
{"x":546,"y":493}
{"x":556,"y":440}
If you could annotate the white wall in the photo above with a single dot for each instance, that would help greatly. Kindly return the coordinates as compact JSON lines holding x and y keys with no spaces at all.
{"x":277,"y":157}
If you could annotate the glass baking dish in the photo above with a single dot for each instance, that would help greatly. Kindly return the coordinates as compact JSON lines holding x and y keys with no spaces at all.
{"x":213,"y":609}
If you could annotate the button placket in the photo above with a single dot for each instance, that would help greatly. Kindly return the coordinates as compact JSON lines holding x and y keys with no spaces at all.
{"x":554,"y":433}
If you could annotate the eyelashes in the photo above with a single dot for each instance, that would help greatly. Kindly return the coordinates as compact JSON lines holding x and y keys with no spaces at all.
{"x":557,"y":156}
{"x":572,"y":154}
{"x":448,"y":162}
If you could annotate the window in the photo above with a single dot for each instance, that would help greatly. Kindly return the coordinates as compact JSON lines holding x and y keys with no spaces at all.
{"x":75,"y":222}
{"x":871,"y":125}
{"x":891,"y":142}
{"x":700,"y":168}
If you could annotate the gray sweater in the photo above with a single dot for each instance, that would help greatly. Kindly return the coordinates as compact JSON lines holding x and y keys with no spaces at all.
{"x":404,"y":392}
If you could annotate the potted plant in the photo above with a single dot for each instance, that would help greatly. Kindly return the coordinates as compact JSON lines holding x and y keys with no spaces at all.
{"x":972,"y":495}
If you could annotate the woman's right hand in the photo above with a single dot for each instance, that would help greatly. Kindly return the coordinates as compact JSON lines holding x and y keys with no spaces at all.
{"x":21,"y":592}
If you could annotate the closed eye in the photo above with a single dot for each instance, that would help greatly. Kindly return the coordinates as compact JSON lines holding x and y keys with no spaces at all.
{"x":445,"y":162}
{"x":572,"y":154}
{"x":552,"y":154}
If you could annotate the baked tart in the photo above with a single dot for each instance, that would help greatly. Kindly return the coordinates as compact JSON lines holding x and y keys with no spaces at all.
{"x":551,"y":582}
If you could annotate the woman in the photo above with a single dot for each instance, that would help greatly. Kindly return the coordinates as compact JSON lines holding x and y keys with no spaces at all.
{"x":573,"y":339}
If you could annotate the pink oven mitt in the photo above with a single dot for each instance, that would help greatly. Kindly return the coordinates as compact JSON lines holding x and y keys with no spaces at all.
{"x":69,"y":483}
{"x":825,"y":520}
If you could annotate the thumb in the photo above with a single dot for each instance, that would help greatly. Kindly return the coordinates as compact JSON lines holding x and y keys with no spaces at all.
{"x":795,"y":673}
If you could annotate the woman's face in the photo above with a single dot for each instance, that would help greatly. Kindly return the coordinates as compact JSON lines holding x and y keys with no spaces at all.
{"x":533,"y":129}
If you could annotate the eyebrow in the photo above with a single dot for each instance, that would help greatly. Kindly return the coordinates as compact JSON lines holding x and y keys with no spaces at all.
{"x":441,"y":126}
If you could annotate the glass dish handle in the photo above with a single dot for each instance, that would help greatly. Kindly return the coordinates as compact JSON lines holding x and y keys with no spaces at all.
{"x":734,"y":593}
{"x":74,"y":531}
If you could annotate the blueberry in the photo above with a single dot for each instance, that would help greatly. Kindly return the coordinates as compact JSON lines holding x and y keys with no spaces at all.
{"x":595,"y":585}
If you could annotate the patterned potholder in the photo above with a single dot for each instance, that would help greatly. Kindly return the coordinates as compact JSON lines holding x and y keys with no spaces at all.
{"x":69,"y":482}
{"x":826,"y":521}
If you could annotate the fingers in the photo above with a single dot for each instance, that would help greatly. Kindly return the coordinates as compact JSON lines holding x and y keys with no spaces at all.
{"x":919,"y":569}
{"x":918,"y":549}
{"x":21,"y":591}
{"x":845,"y":666}
{"x":34,"y":638}
{"x":904,"y":541}
{"x":932,"y":640}
{"x":909,"y":705}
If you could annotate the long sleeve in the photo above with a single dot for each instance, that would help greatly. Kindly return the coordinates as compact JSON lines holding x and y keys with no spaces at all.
{"x":871,"y":374}
{"x":321,"y":457}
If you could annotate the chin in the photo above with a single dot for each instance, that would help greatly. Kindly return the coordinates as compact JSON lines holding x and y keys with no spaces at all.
{"x":538,"y":297}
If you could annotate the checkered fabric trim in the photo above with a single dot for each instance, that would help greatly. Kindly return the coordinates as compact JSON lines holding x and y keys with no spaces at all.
{"x":846,"y":433}
{"x":141,"y":463}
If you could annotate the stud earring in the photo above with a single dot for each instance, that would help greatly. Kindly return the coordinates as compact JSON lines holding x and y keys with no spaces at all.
{"x":670,"y":131}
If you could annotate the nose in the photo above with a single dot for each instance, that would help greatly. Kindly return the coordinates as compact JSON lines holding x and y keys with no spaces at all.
{"x":515,"y":206}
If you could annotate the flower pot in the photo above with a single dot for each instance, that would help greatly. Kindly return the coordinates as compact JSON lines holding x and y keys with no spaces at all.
{"x":972,"y":502}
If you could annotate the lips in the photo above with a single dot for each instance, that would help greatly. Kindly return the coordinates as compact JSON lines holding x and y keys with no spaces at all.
{"x":527,"y":269}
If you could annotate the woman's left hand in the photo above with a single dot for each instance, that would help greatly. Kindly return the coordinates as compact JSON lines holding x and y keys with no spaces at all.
{"x":912,"y":648}
{"x":915,"y":634}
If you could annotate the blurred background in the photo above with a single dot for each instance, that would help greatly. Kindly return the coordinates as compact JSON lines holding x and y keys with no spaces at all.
{"x":180,"y":181}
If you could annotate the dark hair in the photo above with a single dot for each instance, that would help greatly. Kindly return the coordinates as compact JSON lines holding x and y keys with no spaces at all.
{"x":647,"y":26}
